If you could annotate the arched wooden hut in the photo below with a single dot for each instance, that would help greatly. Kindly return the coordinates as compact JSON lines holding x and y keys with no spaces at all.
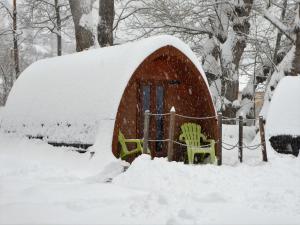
{"x":68,"y":100}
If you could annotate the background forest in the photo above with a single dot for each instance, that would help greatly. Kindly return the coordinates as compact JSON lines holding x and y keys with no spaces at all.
{"x":245,"y":46}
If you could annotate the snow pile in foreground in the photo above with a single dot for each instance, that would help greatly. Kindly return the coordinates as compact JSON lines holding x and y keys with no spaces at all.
{"x":47,"y":160}
{"x":264,"y":194}
{"x":40,"y":184}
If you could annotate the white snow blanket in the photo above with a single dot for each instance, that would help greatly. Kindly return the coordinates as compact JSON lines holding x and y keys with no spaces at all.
{"x":73,"y":97}
{"x":284,"y":110}
{"x":40,"y":184}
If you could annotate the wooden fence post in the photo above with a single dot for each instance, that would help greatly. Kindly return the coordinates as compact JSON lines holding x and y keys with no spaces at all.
{"x":262,"y":139}
{"x":171,"y":134}
{"x":241,"y":138}
{"x":219,"y":149}
{"x":146,"y":131}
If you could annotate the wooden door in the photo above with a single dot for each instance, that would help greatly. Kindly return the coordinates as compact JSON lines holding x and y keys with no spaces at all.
{"x":152,"y":97}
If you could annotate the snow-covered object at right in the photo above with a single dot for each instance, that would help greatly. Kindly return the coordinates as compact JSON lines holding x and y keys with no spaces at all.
{"x":284,"y":112}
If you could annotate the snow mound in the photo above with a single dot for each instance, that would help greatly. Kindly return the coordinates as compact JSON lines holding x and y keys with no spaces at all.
{"x":283,"y":116}
{"x":40,"y":184}
{"x":44,"y":160}
{"x":242,"y":194}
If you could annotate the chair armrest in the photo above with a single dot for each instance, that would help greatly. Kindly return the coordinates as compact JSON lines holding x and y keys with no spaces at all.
{"x":139,"y":143}
{"x":133,"y":140}
{"x":212,"y":141}
{"x":181,"y":137}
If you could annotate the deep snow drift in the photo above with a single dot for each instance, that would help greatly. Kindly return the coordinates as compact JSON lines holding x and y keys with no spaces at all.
{"x":40,"y":184}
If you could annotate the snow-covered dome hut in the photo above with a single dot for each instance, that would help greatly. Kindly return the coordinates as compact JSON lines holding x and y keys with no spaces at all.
{"x":78,"y":98}
{"x":283,"y":120}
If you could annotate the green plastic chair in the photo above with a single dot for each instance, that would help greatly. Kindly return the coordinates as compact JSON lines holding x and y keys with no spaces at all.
{"x":196,"y":142}
{"x":124,"y":150}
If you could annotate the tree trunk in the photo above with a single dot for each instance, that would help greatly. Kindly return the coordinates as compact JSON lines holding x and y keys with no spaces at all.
{"x":279,"y":35}
{"x":106,"y":20}
{"x":290,"y":63}
{"x":295,"y":71}
{"x":58,"y":26}
{"x":241,"y":27}
{"x":83,"y":33}
{"x":15,"y":41}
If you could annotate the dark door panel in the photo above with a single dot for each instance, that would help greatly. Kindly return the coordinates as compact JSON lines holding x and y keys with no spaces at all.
{"x":152,"y":97}
{"x":159,"y":119}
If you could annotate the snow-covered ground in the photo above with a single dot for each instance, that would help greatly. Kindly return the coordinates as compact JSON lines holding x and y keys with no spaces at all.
{"x":40,"y":184}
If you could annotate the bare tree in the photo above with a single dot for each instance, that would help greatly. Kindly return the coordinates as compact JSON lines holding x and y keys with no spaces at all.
{"x":12,"y":13}
{"x":50,"y":15}
{"x":9,"y":48}
{"x":295,"y":71}
{"x":236,"y":40}
{"x":15,"y":40}
{"x":291,"y":60}
{"x":279,"y":34}
{"x":58,"y":23}
{"x":217,"y":30}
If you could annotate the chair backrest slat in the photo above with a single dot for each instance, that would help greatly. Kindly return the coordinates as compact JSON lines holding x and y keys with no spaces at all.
{"x":192,"y":134}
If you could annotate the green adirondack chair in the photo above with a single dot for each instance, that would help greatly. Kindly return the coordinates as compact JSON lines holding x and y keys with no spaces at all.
{"x":124,"y":150}
{"x":196,"y":142}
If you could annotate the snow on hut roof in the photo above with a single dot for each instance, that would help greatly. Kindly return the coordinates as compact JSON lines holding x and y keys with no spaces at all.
{"x":71,"y":96}
{"x":283,"y":116}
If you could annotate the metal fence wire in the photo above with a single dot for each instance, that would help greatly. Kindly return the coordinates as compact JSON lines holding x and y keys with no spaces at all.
{"x":227,"y":146}
{"x":224,"y":118}
{"x":196,"y":118}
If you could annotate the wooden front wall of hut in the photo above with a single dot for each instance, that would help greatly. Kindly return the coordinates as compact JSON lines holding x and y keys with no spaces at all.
{"x":164,"y":79}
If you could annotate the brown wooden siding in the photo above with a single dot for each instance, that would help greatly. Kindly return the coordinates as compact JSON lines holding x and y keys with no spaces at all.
{"x":167,"y":66}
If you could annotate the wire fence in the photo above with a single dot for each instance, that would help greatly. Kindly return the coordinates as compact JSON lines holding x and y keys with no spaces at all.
{"x":253,"y":147}
{"x":224,"y":118}
{"x":163,"y":140}
{"x":192,"y":146}
{"x":180,"y":143}
{"x":196,"y":118}
{"x":240,"y":145}
{"x":225,"y":145}
{"x":159,"y":114}
{"x":228,"y":146}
